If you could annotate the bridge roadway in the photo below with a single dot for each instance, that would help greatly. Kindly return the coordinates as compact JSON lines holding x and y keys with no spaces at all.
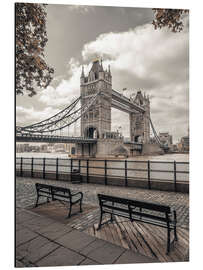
{"x":65,"y":139}
{"x":123,"y":103}
{"x":53,"y":139}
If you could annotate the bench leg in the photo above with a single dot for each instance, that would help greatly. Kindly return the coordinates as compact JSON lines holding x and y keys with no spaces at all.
{"x":36,"y":204}
{"x":111,"y":220}
{"x":168,"y":241}
{"x":69,"y":214}
{"x":100,"y":221}
{"x":175,"y":234}
{"x":81,"y":205}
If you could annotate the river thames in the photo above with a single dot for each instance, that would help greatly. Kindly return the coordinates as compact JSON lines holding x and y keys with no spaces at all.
{"x":167,"y":157}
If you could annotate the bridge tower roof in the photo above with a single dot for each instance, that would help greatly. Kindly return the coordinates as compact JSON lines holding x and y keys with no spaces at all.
{"x":96,"y":67}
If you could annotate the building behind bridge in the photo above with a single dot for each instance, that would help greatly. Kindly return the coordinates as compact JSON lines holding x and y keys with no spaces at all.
{"x":166,"y":138}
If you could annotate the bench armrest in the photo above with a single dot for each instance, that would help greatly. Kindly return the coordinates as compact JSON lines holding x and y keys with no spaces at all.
{"x":74,"y":194}
{"x":175,"y":216}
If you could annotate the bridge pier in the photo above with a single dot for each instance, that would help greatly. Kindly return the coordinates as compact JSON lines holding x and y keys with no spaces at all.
{"x":86,"y":150}
{"x":152,"y":149}
{"x":108,"y":148}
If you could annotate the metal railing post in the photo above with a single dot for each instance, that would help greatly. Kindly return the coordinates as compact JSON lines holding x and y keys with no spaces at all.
{"x":175,"y":187}
{"x":57,"y":168}
{"x":126,"y":174}
{"x":32,"y":161}
{"x":105,"y":171}
{"x":87,"y":171}
{"x":71,"y":169}
{"x":44,"y":164}
{"x":79,"y":165}
{"x":21,"y":166}
{"x":148,"y":170}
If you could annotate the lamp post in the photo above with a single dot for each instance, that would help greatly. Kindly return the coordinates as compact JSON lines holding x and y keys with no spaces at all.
{"x":124,"y":89}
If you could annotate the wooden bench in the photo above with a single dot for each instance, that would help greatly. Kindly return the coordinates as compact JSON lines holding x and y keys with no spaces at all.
{"x":64,"y":195}
{"x":141,"y":211}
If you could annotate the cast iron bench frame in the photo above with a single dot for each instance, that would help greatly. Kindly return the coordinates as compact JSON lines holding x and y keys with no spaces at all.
{"x":61,"y":194}
{"x":133,"y":210}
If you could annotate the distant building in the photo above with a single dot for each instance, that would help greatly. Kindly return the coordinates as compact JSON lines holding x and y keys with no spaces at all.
{"x":174,"y":148}
{"x":20,"y":148}
{"x":152,"y":140}
{"x":166,"y":138}
{"x":26,"y":147}
{"x":43,"y":148}
{"x":59,"y":147}
{"x":184,"y":144}
{"x":69,"y":146}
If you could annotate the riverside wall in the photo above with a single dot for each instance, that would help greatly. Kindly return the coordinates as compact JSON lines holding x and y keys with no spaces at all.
{"x":182,"y":187}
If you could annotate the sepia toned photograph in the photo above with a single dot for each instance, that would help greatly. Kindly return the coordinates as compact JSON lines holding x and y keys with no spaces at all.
{"x":102,"y":135}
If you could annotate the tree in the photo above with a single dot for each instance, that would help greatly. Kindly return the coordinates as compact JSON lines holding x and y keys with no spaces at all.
{"x":31,"y":38}
{"x":171,"y":18}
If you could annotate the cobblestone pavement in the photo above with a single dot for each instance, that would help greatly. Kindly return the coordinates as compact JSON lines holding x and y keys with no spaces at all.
{"x":26,"y":196}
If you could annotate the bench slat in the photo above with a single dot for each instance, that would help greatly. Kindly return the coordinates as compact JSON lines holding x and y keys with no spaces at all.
{"x":136,"y":203}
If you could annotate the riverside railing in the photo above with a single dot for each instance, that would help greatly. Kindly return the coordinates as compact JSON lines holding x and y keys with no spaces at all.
{"x":108,"y":172}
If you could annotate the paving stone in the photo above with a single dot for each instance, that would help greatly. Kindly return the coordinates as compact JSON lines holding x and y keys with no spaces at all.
{"x":18,"y":210}
{"x":22,"y":217}
{"x":31,"y":246}
{"x":19,"y":255}
{"x":92,"y":246}
{"x":132,"y":257}
{"x":89,"y":262}
{"x":61,"y":257}
{"x":19,"y":264}
{"x":19,"y":227}
{"x":37,"y":223}
{"x":24,"y":235}
{"x":36,"y":249}
{"x":54,"y":230}
{"x":106,"y":254}
{"x":75,"y":240}
{"x":27,"y":263}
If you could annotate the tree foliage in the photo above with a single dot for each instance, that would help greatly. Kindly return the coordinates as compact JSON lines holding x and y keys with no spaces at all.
{"x":171,"y":18}
{"x":31,"y":38}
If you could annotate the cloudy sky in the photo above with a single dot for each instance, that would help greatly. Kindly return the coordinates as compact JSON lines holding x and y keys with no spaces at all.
{"x":141,"y":58}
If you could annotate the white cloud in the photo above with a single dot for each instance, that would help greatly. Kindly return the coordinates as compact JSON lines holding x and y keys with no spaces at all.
{"x":144,"y":52}
{"x":81,"y":9}
{"x":67,"y":89}
{"x":27,"y":116}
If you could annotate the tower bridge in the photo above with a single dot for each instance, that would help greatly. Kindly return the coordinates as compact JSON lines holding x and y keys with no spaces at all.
{"x":96,"y":100}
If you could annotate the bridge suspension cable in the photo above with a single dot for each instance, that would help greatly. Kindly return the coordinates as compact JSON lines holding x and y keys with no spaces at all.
{"x":62,"y":119}
{"x":55,"y":118}
{"x":155,"y":134}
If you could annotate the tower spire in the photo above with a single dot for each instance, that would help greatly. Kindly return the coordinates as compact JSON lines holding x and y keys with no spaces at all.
{"x":82,"y":74}
{"x":101,"y":65}
{"x":109,"y":69}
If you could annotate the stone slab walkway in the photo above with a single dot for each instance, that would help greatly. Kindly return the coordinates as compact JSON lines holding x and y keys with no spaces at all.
{"x":41,"y":241}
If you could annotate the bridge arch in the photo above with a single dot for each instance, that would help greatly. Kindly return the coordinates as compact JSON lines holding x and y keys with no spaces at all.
{"x":91,"y":132}
{"x":138,"y":138}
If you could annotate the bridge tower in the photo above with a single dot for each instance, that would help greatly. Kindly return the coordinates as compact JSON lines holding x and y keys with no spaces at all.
{"x":139,"y":122}
{"x":97,"y":121}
